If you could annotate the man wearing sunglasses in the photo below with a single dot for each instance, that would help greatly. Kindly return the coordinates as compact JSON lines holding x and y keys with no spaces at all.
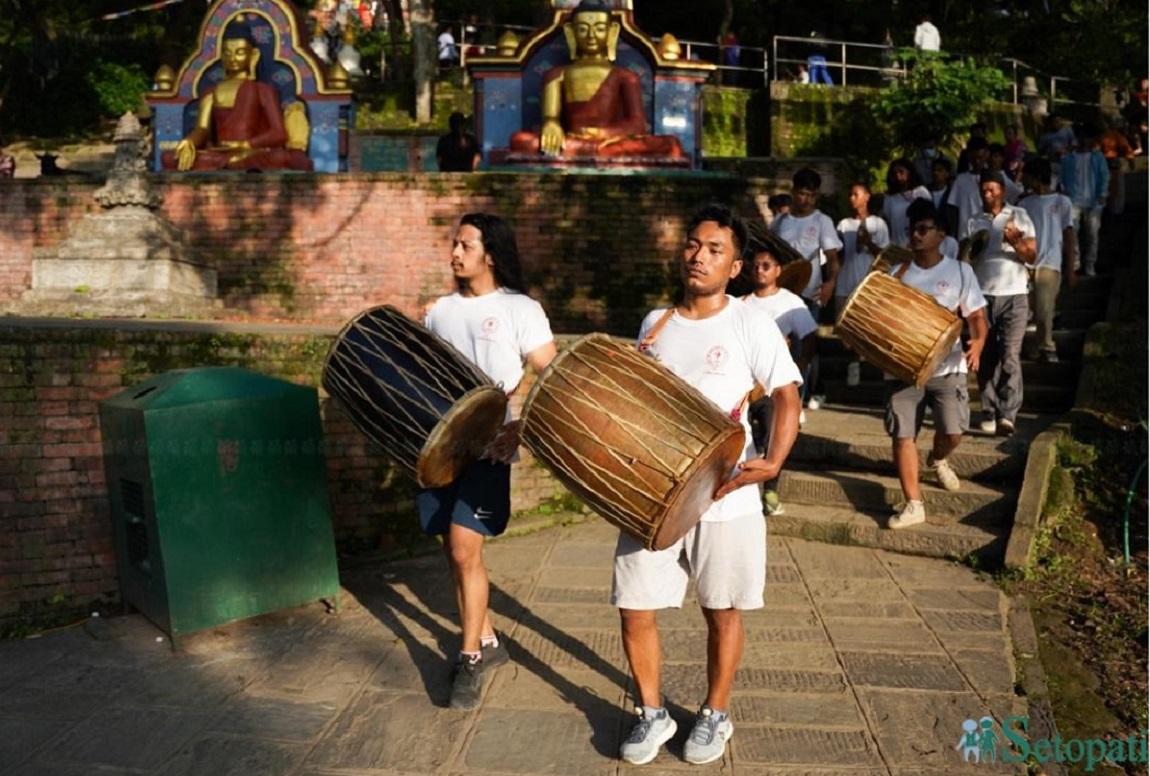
{"x":954,"y":286}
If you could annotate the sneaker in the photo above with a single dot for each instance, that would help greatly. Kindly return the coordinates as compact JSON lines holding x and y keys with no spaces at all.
{"x":815,"y":402}
{"x":854,"y":373}
{"x":1005,"y":427}
{"x":495,"y":656}
{"x":466,"y":684}
{"x":709,"y":737}
{"x":945,"y":473}
{"x":988,"y":426}
{"x":650,"y":732}
{"x":909,"y":513}
{"x":771,"y":504}
{"x":1048,"y":357}
{"x":1089,"y":271}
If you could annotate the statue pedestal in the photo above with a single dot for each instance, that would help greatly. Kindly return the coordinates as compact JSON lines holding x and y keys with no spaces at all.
{"x":523,"y":162}
{"x":126,"y":262}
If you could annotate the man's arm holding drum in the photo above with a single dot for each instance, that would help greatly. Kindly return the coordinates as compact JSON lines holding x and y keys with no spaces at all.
{"x":502,"y":448}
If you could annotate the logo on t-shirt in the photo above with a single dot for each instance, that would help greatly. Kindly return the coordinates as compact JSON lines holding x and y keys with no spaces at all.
{"x":490,"y":327}
{"x":942,"y":286}
{"x":716,"y":357}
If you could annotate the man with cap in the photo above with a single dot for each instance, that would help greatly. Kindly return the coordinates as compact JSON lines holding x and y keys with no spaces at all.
{"x":1002,"y":273}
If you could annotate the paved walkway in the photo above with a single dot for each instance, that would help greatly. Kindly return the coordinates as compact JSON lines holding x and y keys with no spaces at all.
{"x":863,"y":663}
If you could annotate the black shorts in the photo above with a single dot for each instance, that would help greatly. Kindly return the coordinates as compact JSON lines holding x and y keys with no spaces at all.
{"x":480,"y":499}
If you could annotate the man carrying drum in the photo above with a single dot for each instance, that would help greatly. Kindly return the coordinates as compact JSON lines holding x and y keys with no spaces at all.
{"x":493,"y":323}
{"x":721,"y":346}
{"x":954,"y":286}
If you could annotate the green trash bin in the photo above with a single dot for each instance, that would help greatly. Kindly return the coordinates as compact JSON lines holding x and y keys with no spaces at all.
{"x":219,"y":499}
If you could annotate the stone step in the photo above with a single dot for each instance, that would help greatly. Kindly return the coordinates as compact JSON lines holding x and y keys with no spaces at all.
{"x":974,"y":504}
{"x":833,"y":525}
{"x":848,"y":437}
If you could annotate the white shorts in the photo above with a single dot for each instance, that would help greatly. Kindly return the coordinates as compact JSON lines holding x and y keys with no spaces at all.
{"x":728,"y":560}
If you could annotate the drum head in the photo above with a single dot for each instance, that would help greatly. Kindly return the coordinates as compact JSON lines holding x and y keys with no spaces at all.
{"x":795,"y":276}
{"x":461,"y":436}
{"x":695,"y":493}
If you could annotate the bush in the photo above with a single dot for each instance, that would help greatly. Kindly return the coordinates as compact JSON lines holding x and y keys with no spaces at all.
{"x":119,"y":88}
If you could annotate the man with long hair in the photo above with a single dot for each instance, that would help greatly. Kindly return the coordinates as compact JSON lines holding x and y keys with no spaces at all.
{"x":492,"y":322}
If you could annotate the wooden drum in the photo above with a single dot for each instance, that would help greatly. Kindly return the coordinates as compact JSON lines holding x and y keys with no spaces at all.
{"x":898,"y":328}
{"x":636,"y":443}
{"x":413,"y":394}
{"x":889,"y":256}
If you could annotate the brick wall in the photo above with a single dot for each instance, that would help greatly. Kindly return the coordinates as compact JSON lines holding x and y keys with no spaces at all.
{"x":321,"y":248}
{"x":55,"y":524}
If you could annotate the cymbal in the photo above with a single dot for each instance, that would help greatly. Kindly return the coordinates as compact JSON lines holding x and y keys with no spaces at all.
{"x":794,"y":276}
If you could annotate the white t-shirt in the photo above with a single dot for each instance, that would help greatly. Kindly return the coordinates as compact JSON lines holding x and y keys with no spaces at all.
{"x":954,"y":286}
{"x":494,"y":331}
{"x":446,"y":43}
{"x":856,"y":260}
{"x":788,"y":311}
{"x":894,"y":211}
{"x":927,"y":37}
{"x":966,"y":195}
{"x":1051,"y":214}
{"x":999,"y":272}
{"x":949,"y":247}
{"x":723,"y":357}
{"x":810,"y":235}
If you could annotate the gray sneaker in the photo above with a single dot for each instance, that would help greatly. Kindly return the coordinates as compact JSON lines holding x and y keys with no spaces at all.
{"x":709,"y":737}
{"x":466,"y":684}
{"x":496,"y":656}
{"x":649,"y":733}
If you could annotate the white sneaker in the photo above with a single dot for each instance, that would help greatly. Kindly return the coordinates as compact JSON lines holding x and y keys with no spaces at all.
{"x":815,"y":402}
{"x":988,"y":426}
{"x":909,"y":513}
{"x":854,"y":370}
{"x":946,"y":475}
{"x":802,"y":417}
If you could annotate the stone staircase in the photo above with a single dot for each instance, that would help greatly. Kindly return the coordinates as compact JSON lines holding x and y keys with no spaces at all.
{"x":840,"y":484}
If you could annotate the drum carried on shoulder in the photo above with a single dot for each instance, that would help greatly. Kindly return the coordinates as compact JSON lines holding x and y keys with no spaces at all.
{"x":898,"y":328}
{"x":413,"y":394}
{"x":635,"y":442}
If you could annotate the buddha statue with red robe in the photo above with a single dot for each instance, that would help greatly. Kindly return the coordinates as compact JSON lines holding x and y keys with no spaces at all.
{"x":240,"y":125}
{"x":592,"y":107}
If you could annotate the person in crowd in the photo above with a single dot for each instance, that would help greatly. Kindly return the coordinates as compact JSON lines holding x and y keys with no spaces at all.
{"x":723,"y":347}
{"x":863,"y":236}
{"x":778,"y":205}
{"x":458,"y":150}
{"x":812,"y":233}
{"x":997,"y":163}
{"x":493,"y":323}
{"x":797,"y":326}
{"x":966,"y":195}
{"x":940,"y":187}
{"x":1053,"y":219}
{"x":1057,"y":140}
{"x":903,"y":186}
{"x":923,"y":161}
{"x":977,"y":130}
{"x":447,"y":53}
{"x":1015,"y":150}
{"x":926,"y":36}
{"x":1003,"y":276}
{"x":1115,"y":146}
{"x":7,"y":162}
{"x":1084,"y":176}
{"x":954,"y":286}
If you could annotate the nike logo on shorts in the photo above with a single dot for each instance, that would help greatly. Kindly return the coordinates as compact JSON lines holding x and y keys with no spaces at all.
{"x":483,"y":514}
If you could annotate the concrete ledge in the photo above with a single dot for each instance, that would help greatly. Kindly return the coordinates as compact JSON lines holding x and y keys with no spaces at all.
{"x":1040,"y":461}
{"x":1031,"y":678}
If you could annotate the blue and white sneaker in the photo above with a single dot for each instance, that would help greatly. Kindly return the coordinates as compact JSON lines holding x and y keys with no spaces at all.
{"x":709,"y":737}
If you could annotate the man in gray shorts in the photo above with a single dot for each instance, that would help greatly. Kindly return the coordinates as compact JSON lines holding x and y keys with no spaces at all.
{"x":954,"y":286}
{"x":722,"y":347}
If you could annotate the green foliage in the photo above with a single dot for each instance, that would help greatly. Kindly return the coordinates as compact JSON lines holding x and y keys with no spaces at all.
{"x":119,"y":88}
{"x":938,"y":99}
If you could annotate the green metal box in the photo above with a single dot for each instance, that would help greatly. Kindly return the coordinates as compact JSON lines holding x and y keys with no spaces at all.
{"x":219,"y":499}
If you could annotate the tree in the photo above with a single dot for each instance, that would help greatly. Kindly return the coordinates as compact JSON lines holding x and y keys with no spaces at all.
{"x":937,"y":99}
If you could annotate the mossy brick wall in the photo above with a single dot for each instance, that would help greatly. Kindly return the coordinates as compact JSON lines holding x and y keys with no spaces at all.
{"x":596,"y":248}
{"x":55,"y":524}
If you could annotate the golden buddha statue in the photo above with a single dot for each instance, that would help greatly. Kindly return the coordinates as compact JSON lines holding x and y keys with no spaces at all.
{"x":240,"y":125}
{"x":592,"y":107}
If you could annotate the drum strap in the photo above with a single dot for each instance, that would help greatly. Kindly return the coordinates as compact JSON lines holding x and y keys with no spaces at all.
{"x":653,"y":334}
{"x":961,"y":290}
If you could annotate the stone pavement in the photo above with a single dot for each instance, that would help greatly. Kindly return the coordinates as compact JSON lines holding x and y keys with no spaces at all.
{"x":863,"y":663}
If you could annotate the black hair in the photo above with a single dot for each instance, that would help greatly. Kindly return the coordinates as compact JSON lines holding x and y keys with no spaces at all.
{"x":725,"y":217}
{"x":499,"y":242}
{"x":977,"y":143}
{"x":943,"y":162}
{"x":777,"y":201}
{"x":921,"y":210}
{"x":806,"y":178}
{"x":457,"y":121}
{"x":1040,"y":168}
{"x":996,"y":148}
{"x":913,"y":180}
